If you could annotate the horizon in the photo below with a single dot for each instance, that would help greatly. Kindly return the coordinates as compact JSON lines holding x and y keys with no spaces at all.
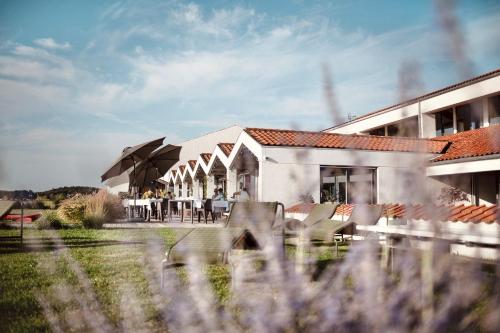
{"x":80,"y":81}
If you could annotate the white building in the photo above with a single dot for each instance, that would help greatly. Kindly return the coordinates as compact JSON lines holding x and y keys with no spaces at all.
{"x":442,"y":140}
{"x":466,"y":114}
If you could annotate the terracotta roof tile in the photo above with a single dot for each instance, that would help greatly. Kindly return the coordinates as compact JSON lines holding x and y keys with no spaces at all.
{"x":479,"y":142}
{"x":192,"y":164}
{"x":434,"y":93}
{"x":462,"y":213}
{"x":226,"y":148}
{"x":206,"y":157}
{"x":278,"y":137}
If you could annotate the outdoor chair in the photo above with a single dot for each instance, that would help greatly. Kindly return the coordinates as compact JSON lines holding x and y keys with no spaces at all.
{"x":318,"y":213}
{"x":205,"y":210}
{"x":245,"y":229}
{"x":329,"y":230}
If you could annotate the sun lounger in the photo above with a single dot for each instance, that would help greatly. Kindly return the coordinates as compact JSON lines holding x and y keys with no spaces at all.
{"x":327,"y":230}
{"x":244,"y":229}
{"x":318,"y":213}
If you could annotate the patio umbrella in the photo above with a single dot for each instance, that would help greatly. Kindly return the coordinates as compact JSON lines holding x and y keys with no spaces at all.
{"x":156,"y":165}
{"x":130,"y":157}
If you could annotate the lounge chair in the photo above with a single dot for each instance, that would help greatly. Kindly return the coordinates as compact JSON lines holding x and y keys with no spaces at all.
{"x":244,"y":229}
{"x":327,"y":230}
{"x":318,"y":213}
{"x":5,"y":207}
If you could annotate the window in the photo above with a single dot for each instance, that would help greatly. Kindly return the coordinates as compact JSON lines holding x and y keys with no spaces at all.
{"x":444,"y":122}
{"x":347,"y":185}
{"x":378,"y":131}
{"x":392,"y":130}
{"x":494,"y":111}
{"x":468,"y":117}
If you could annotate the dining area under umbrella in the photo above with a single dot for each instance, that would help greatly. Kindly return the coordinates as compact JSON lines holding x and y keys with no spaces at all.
{"x":156,"y":165}
{"x":129,"y":158}
{"x":143,"y":161}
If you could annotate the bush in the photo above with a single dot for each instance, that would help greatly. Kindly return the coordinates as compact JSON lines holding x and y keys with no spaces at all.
{"x":104,"y":205}
{"x":91,"y":221}
{"x":72,"y":210}
{"x":92,"y":210}
{"x":49,"y":220}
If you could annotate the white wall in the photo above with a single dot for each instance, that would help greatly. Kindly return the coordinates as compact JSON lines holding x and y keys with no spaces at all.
{"x":288,"y":172}
{"x":286,"y":182}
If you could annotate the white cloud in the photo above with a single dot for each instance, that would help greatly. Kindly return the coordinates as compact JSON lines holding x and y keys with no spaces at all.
{"x":221,"y":22}
{"x":51,"y":44}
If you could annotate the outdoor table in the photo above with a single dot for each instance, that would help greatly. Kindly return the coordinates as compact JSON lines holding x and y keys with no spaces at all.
{"x":146,"y":203}
{"x":220,"y":204}
{"x":182,"y":202}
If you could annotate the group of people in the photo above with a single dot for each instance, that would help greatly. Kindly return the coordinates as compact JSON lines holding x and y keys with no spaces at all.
{"x":240,"y":196}
{"x":149,"y":194}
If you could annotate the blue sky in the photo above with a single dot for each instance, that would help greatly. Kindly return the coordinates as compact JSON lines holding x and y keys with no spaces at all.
{"x":81,"y":79}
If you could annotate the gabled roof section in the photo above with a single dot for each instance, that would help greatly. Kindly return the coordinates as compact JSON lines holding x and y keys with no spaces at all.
{"x":192,"y":164}
{"x":181,"y":169}
{"x":290,"y":138}
{"x":206,"y":157}
{"x":474,"y":143}
{"x":434,"y":93}
{"x":226,"y":148}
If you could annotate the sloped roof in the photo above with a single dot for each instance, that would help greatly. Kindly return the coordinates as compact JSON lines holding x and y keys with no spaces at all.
{"x":192,"y":164}
{"x":226,"y":148}
{"x":206,"y":157}
{"x":431,"y":94}
{"x":459,"y":213}
{"x":181,"y":168}
{"x":474,"y":143}
{"x":290,"y":138}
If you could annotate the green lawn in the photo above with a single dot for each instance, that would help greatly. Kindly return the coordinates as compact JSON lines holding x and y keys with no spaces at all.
{"x":111,"y":259}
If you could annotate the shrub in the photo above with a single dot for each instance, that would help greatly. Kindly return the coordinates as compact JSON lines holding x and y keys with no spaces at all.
{"x":72,"y":210}
{"x":93,"y":221}
{"x":104,"y":205}
{"x":49,"y":220}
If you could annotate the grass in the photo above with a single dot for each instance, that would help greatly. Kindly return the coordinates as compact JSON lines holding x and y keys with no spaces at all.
{"x":111,"y":259}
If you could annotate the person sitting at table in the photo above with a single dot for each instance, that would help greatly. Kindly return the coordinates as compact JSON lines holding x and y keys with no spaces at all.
{"x":219,"y":196}
{"x":216,"y":193}
{"x":147,"y":194}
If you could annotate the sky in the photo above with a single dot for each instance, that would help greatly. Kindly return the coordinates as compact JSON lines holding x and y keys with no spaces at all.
{"x":80,"y":80}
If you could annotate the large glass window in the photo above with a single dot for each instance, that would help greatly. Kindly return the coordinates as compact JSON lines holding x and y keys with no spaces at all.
{"x":378,"y":131}
{"x":392,"y":130}
{"x":494,"y":111}
{"x":468,"y":117}
{"x":347,"y":185}
{"x":444,"y":122}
